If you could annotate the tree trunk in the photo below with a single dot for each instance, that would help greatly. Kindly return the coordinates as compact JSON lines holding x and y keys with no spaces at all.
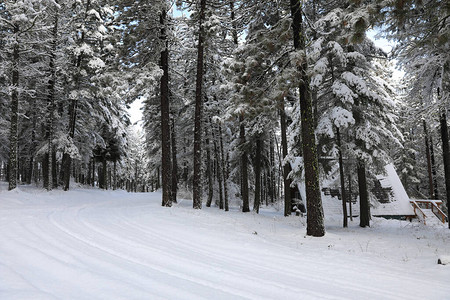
{"x":51,"y":103}
{"x":105,"y":173}
{"x":445,"y":154}
{"x":166,"y":170}
{"x":174,"y":184}
{"x":13,"y":161}
{"x":434,"y":169}
{"x":224,"y":162}
{"x":244,"y":167}
{"x":33,"y":145}
{"x":350,"y":196}
{"x":286,"y":165}
{"x":315,"y":225}
{"x":272,"y":171}
{"x":115,"y":175}
{"x":157,"y":183}
{"x":93,"y":171}
{"x":209,"y":171}
{"x":257,"y":168}
{"x":218,"y":160}
{"x":427,"y":148}
{"x":100,"y":177}
{"x":67,"y":160}
{"x":341,"y":174}
{"x":197,"y":180}
{"x":364,"y":212}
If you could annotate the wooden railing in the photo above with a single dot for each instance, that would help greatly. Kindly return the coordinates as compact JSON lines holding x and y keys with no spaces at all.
{"x":419,"y":212}
{"x":438,"y":212}
{"x":434,"y":205}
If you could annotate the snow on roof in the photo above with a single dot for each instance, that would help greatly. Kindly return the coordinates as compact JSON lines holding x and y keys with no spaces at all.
{"x":400,"y":204}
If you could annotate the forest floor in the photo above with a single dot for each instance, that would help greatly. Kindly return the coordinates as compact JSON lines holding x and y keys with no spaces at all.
{"x":92,"y":244}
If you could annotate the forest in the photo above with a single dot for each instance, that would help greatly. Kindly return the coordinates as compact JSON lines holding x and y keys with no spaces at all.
{"x":243,"y":101}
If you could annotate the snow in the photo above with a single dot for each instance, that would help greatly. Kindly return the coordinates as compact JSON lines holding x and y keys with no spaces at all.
{"x":400,"y":204}
{"x":444,"y":260}
{"x":92,"y":244}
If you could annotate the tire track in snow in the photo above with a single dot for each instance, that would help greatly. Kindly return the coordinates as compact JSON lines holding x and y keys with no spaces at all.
{"x":57,"y":247}
{"x":339,"y":283}
{"x":252,"y":280}
{"x":129,"y":258}
{"x":118,"y":226}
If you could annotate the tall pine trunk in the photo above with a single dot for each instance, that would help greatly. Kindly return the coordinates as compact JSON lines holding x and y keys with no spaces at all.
{"x":350,"y":196}
{"x":166,"y":169}
{"x":224,"y":162}
{"x":427,"y":149}
{"x":197,"y":180}
{"x":434,"y":169}
{"x":105,"y":172}
{"x":218,"y":169}
{"x":13,"y":138}
{"x":286,"y":165}
{"x":209,"y":169}
{"x":174,"y":185}
{"x":51,"y":103}
{"x":115,"y":175}
{"x":445,"y":154}
{"x":272,"y":168}
{"x":67,"y":160}
{"x":33,"y":144}
{"x":257,"y":168}
{"x":244,"y":166}
{"x":315,"y":225}
{"x":364,"y":211}
{"x":341,"y":175}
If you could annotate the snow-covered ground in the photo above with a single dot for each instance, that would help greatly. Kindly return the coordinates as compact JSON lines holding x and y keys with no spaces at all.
{"x":91,"y":244}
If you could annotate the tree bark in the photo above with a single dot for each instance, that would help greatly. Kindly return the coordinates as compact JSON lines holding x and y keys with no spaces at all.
{"x":341,"y":175}
{"x":286,"y":165}
{"x":105,"y":173}
{"x":219,"y":170}
{"x":427,"y":149}
{"x":244,"y":167}
{"x":197,"y":182}
{"x":315,"y":225}
{"x":51,"y":102}
{"x":272,"y":168}
{"x":209,"y":171}
{"x":67,"y":160}
{"x":174,"y":185}
{"x":434,"y":169}
{"x":350,"y":196}
{"x":115,"y":175}
{"x":257,"y":168}
{"x":13,"y":160}
{"x":364,"y":212}
{"x":224,"y":162}
{"x":166,"y":169}
{"x":445,"y":154}
{"x":93,"y":171}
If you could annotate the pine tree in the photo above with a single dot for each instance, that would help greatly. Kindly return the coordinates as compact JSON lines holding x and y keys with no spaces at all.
{"x":315,"y":225}
{"x":422,"y":31}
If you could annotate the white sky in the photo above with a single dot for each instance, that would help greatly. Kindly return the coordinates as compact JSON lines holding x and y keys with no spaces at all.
{"x":136,"y":112}
{"x":387,"y":47}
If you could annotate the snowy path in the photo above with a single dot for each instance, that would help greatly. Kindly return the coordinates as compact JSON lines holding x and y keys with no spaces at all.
{"x":88,"y":244}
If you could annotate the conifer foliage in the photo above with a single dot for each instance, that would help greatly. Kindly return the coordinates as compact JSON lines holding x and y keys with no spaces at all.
{"x":245,"y":103}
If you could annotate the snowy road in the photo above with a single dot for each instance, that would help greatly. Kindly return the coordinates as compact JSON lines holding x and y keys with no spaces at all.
{"x":89,"y":244}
